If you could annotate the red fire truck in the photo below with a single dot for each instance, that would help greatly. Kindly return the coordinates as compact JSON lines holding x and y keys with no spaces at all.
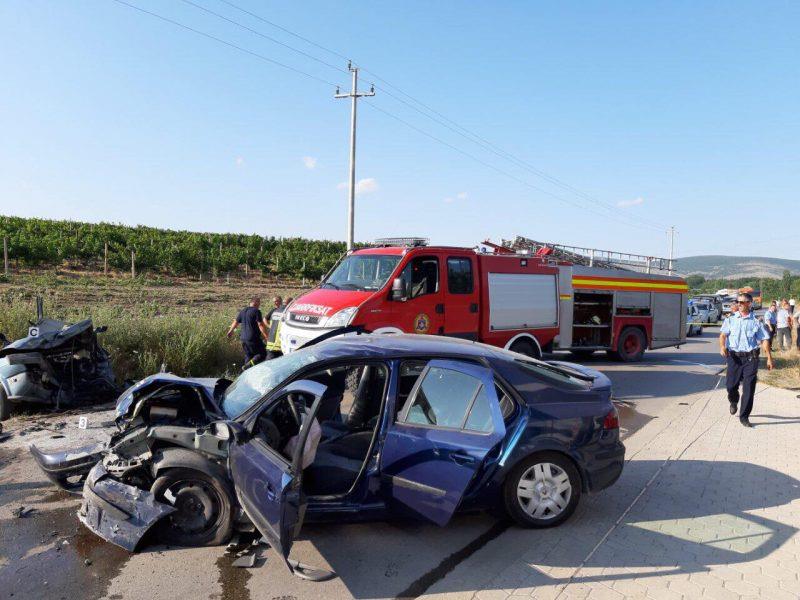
{"x":527,"y":299}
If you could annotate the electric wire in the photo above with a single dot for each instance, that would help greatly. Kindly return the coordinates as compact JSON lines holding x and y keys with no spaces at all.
{"x":434,"y":115}
{"x":616,"y":216}
{"x":487,"y":164}
{"x":266,"y":37}
{"x":226,"y":43}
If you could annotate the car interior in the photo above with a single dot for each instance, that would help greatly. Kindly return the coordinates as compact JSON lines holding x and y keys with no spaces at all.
{"x":343,"y":431}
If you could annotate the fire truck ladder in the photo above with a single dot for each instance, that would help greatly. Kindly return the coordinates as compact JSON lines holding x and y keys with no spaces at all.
{"x":593,"y":257}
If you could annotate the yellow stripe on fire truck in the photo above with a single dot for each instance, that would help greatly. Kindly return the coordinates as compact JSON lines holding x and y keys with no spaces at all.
{"x":642,"y":286}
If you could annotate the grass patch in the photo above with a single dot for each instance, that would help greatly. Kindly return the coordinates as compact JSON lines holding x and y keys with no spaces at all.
{"x":786,"y":373}
{"x":179,"y":324}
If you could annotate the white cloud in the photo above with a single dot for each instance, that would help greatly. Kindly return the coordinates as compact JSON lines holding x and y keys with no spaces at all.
{"x":239,"y":161}
{"x":310,"y":162}
{"x":363,"y":186}
{"x":458,"y":196}
{"x":627,"y":203}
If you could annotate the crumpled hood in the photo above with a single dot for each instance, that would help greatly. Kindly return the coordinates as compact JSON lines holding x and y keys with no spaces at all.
{"x":126,"y":399}
{"x":47,"y":339}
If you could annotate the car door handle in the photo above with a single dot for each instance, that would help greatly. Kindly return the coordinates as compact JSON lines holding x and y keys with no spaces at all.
{"x":462,"y":458}
{"x":440,"y":309}
{"x":473,"y":308}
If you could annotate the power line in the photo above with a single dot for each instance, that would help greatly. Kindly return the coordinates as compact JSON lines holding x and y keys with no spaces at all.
{"x":442,"y":119}
{"x":267,"y":37}
{"x":591,"y":209}
{"x":489,"y":165}
{"x":229,"y":44}
{"x":292,"y":33}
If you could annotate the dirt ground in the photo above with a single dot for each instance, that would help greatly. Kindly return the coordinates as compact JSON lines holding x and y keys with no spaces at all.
{"x":67,"y":289}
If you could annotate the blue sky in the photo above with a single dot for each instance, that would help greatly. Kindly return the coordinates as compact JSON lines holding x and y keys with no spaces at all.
{"x":657,"y":113}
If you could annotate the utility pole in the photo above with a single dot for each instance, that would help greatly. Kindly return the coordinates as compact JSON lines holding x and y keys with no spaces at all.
{"x":354,"y":95}
{"x":671,"y":248}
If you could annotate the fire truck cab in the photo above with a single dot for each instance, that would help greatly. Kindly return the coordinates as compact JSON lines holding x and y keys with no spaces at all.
{"x":524,"y":302}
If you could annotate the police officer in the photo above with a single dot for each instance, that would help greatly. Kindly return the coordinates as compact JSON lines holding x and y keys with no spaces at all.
{"x":253,"y":328}
{"x":739,"y":340}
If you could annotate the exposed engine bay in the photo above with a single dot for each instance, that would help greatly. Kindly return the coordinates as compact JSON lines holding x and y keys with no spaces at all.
{"x":57,"y":364}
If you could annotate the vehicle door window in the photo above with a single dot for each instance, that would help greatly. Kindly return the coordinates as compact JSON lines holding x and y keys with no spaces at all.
{"x":421,"y":276}
{"x":459,"y":275}
{"x":444,"y":399}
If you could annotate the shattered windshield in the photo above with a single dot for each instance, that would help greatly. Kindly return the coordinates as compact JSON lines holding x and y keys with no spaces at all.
{"x":257,"y":381}
{"x":362,"y":272}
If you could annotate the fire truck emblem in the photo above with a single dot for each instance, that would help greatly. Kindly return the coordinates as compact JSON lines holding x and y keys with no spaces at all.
{"x":421,"y":323}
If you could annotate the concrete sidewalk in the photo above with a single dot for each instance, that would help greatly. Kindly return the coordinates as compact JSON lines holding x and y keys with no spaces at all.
{"x":706,"y":508}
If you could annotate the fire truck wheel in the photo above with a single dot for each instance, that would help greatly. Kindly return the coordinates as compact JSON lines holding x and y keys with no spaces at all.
{"x":631,"y":345}
{"x":527,"y":348}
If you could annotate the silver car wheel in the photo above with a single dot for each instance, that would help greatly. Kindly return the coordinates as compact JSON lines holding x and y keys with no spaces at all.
{"x":544,"y":491}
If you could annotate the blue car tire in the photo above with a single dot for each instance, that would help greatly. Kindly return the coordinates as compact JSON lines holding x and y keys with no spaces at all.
{"x":204,"y":504}
{"x":542,"y":491}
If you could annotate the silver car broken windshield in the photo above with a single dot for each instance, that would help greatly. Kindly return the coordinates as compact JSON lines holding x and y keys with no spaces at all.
{"x":257,"y":381}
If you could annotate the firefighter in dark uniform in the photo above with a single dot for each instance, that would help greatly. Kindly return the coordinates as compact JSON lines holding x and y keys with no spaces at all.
{"x":740,"y":337}
{"x":253,"y":328}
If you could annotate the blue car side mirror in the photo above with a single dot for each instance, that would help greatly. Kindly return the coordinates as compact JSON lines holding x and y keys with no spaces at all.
{"x":230,"y":430}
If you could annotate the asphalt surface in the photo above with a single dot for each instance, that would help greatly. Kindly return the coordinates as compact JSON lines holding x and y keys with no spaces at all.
{"x":47,"y":554}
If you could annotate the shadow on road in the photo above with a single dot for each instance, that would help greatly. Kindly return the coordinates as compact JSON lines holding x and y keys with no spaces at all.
{"x":696,"y":515}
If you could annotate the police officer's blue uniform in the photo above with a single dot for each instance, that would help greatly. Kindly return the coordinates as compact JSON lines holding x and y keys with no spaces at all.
{"x":744,"y":337}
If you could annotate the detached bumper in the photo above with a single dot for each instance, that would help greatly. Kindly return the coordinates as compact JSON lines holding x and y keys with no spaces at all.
{"x":118,"y":513}
{"x":68,"y":468}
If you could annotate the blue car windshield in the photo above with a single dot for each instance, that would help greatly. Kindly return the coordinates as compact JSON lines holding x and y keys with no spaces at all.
{"x":362,"y":272}
{"x":257,"y":381}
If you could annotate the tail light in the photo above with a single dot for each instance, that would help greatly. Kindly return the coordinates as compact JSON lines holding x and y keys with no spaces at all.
{"x":611,"y":420}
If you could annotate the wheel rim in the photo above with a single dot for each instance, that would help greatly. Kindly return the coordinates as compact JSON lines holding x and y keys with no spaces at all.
{"x":631,"y":344}
{"x":197,"y":506}
{"x":544,"y":491}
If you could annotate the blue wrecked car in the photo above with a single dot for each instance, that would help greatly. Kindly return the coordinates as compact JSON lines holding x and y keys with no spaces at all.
{"x":354,"y":427}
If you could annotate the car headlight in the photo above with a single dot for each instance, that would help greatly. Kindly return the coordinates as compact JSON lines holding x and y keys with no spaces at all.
{"x":343,"y":317}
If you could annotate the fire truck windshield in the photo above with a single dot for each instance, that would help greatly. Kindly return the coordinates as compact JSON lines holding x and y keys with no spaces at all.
{"x":362,"y":272}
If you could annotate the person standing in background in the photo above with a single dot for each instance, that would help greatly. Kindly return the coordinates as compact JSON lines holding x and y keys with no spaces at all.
{"x":783,"y":325}
{"x":253,"y":328}
{"x":770,"y":320}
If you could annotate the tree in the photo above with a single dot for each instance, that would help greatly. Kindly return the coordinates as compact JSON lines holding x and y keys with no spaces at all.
{"x":695,"y":281}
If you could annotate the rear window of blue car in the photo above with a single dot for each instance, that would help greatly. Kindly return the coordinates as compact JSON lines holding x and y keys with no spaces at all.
{"x":520,"y":372}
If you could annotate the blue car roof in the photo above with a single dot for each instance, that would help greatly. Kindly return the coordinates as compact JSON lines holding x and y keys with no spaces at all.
{"x":402,"y":344}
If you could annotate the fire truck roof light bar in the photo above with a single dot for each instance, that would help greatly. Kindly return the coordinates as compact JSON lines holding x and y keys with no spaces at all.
{"x":402,"y":241}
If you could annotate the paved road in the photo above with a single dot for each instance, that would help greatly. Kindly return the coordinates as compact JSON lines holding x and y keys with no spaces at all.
{"x":403,"y":558}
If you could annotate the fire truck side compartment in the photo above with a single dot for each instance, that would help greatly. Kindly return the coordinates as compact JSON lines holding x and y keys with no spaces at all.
{"x":522,"y":301}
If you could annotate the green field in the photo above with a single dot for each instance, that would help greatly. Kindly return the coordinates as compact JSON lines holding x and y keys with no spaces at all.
{"x":180,"y":323}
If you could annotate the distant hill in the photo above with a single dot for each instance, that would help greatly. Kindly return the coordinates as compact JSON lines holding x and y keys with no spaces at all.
{"x":735,"y":267}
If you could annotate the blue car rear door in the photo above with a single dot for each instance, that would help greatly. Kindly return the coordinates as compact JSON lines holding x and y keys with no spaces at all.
{"x":450,"y":422}
{"x":268,"y":486}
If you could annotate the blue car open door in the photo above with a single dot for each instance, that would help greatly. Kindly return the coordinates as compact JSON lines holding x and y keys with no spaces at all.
{"x":442,"y":435}
{"x":268,"y":483}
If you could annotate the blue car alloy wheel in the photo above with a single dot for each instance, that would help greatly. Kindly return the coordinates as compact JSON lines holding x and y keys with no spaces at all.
{"x":543,"y":490}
